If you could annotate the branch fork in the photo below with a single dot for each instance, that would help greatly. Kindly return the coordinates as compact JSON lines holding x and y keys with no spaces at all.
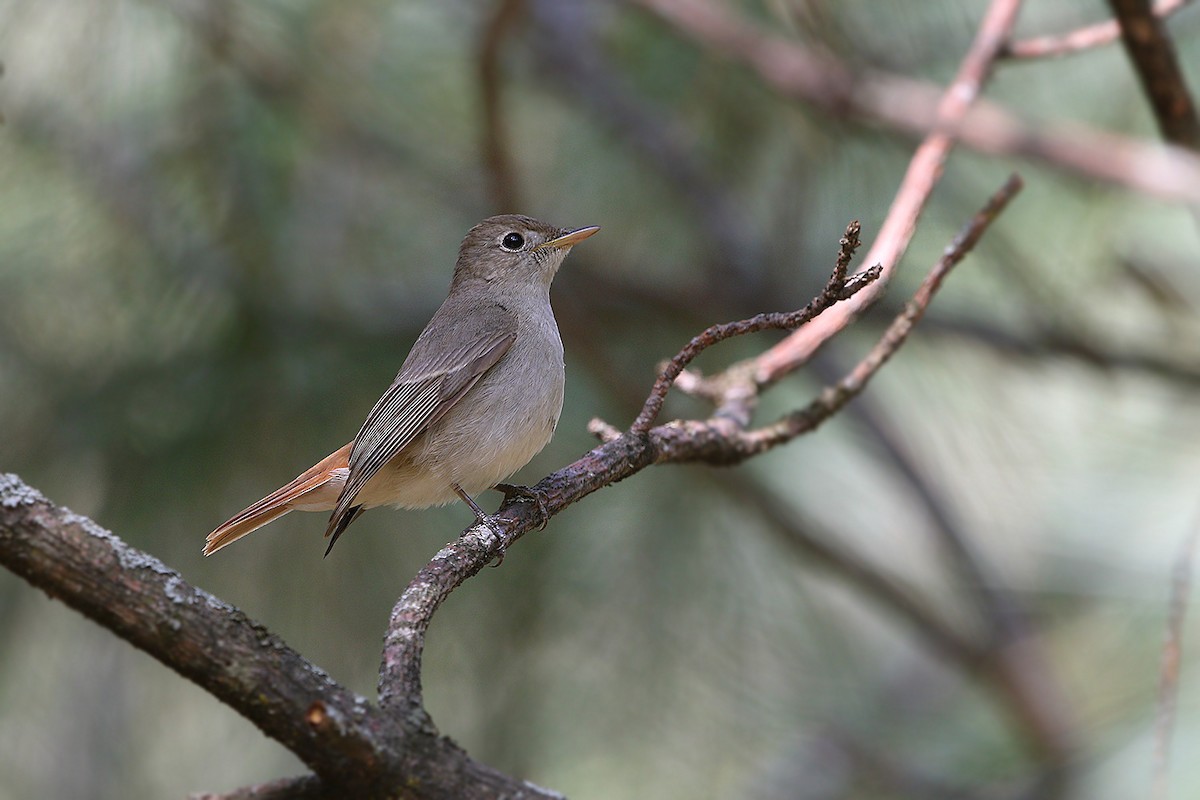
{"x":346,"y":740}
{"x":361,"y":749}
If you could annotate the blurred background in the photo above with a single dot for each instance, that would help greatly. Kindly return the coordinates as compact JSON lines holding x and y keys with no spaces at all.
{"x":222,"y":225}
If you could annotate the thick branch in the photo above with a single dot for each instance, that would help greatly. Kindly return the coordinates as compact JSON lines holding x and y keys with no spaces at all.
{"x":354,"y":749}
{"x":207,"y":641}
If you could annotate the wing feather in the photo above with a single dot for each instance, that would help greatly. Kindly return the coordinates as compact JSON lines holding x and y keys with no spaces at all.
{"x":431,"y":381}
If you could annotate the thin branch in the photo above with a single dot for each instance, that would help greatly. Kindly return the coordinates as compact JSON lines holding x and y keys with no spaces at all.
{"x":838,"y":288}
{"x":1016,"y":664}
{"x":836,"y":396}
{"x":1014,"y":667}
{"x":400,"y":671}
{"x":923,"y":173}
{"x":911,"y":107}
{"x":1086,"y":38}
{"x":715,"y":441}
{"x":1157,"y":67}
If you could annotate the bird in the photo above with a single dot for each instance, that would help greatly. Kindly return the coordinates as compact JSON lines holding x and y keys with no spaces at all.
{"x":478,"y":396}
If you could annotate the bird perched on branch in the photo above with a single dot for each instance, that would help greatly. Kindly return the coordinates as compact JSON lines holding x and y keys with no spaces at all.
{"x":478,"y":396}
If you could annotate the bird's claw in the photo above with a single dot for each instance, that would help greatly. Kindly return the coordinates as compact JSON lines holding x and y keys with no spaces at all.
{"x":527,"y":493}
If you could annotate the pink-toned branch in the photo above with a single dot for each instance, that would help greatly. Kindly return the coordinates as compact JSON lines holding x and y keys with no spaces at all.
{"x":1081,"y":39}
{"x":622,"y":456}
{"x":352,"y":745}
{"x":924,"y":171}
{"x":910,"y":107}
{"x":837,"y":289}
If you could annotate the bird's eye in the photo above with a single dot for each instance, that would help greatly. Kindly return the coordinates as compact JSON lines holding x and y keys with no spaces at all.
{"x":512,"y":241}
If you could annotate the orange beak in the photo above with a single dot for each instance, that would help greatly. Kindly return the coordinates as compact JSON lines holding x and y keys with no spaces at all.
{"x":570,"y":238}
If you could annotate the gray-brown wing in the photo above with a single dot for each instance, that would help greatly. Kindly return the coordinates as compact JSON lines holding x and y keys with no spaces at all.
{"x":434,"y":377}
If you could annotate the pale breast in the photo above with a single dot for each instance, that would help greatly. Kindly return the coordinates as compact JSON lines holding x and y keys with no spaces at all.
{"x":505,"y":419}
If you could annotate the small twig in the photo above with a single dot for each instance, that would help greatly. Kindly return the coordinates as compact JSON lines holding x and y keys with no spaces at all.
{"x":1153,"y":56}
{"x":923,"y":173}
{"x":837,"y":288}
{"x":715,"y":441}
{"x":1172,"y":654}
{"x":603,"y":430}
{"x":836,"y":396}
{"x":1086,"y":38}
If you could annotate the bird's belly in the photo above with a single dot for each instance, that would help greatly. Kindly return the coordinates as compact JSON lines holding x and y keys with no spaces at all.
{"x":407,"y":485}
{"x":521,"y":411}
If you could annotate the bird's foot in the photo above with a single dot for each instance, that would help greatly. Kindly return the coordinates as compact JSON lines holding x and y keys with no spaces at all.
{"x":529,"y":494}
{"x":487,"y":520}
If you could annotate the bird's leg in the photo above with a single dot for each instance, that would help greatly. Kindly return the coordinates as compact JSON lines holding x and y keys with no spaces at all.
{"x":484,"y":518}
{"x":511,"y":490}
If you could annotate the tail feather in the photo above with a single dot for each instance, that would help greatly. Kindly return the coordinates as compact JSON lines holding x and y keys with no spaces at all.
{"x":339,"y":523}
{"x":316,"y":489}
{"x":233,"y":530}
